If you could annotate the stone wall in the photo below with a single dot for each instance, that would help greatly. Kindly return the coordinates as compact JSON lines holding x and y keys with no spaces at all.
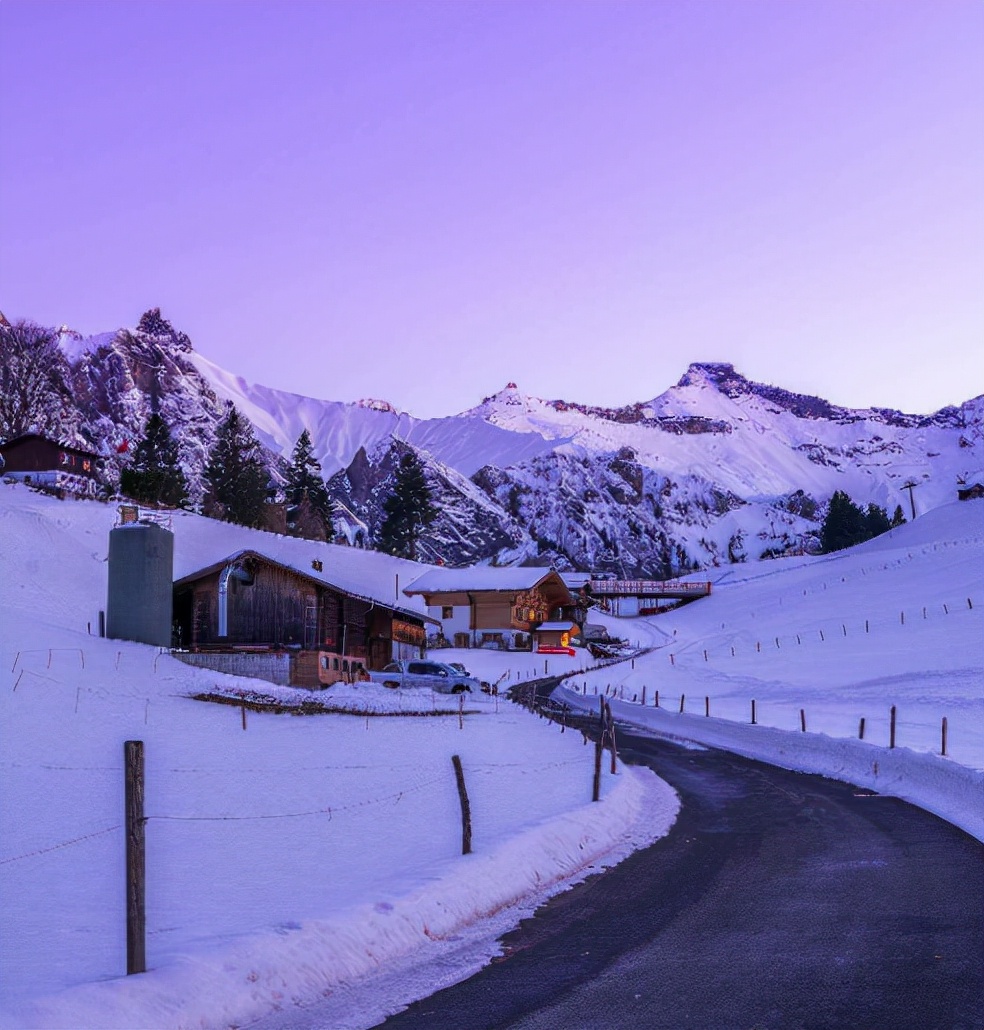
{"x":273,"y":666}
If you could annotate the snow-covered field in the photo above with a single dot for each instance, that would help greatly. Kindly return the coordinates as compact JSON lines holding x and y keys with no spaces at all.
{"x":287,"y":863}
{"x":898,"y":621}
{"x":316,"y":858}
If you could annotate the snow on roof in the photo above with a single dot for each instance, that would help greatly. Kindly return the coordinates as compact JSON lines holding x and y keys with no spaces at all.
{"x":312,"y":573}
{"x":575,"y":580}
{"x":482,"y":577}
{"x":201,"y":543}
{"x":565,"y":627}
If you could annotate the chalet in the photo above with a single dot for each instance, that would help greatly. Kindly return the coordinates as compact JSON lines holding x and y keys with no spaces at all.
{"x":249,"y":603}
{"x":492,"y":607}
{"x":58,"y":467}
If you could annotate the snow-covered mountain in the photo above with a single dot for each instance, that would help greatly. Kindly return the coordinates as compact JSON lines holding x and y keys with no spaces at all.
{"x":714,"y":469}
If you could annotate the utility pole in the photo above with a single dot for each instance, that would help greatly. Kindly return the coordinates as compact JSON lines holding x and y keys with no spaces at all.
{"x":910,"y":486}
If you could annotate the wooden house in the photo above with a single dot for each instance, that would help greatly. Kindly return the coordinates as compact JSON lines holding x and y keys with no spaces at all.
{"x":492,"y":607}
{"x":41,"y":461}
{"x":249,"y":602}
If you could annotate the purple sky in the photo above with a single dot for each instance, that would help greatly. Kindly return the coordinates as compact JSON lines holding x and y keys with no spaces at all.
{"x":419,"y":201}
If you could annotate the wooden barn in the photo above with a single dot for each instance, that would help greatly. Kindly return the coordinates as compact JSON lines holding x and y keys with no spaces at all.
{"x":41,"y":461}
{"x":248,"y":602}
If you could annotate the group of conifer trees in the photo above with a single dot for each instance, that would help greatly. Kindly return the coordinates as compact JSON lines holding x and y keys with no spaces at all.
{"x":237,"y":485}
{"x":847,"y":523}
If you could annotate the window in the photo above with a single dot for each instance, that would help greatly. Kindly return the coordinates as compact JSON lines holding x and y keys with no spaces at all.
{"x":447,"y":612}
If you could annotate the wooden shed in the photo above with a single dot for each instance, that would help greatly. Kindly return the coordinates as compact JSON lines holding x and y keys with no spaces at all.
{"x":555,"y":636}
{"x":250,"y":602}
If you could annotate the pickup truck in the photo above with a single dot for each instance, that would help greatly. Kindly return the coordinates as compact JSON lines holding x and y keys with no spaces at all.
{"x":420,"y":673}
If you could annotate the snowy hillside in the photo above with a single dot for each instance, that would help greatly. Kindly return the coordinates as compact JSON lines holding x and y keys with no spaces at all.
{"x":896,"y":621}
{"x":271,"y":881}
{"x":287,"y":861}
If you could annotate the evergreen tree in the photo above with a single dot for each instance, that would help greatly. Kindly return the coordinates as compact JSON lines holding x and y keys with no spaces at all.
{"x":154,"y":476}
{"x":844,"y":524}
{"x":847,"y":524}
{"x":898,"y":518}
{"x":408,"y":510}
{"x":306,"y":491}
{"x":235,"y":477}
{"x":876,"y":521}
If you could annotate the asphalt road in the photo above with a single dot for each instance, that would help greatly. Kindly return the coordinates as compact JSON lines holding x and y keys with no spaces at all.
{"x":777,"y":901}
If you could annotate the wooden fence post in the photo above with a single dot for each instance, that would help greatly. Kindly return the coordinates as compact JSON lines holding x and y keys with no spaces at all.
{"x":803,"y":720}
{"x":599,"y":744}
{"x":466,"y":828}
{"x":753,"y":711}
{"x":610,"y":730}
{"x":891,"y":728}
{"x":943,"y":737}
{"x":136,"y":918}
{"x":861,"y":729}
{"x":681,"y":703}
{"x":707,"y":706}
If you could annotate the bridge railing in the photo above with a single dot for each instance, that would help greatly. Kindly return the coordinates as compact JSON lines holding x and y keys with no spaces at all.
{"x":648,"y":587}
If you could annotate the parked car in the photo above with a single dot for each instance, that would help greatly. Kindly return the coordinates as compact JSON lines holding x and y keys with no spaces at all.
{"x":423,"y":674}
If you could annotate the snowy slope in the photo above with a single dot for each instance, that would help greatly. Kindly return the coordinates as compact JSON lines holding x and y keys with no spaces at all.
{"x":285,"y":863}
{"x":896,"y":621}
{"x":755,"y":447}
{"x":270,"y":882}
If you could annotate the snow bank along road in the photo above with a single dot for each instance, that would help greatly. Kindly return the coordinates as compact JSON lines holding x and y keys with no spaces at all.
{"x":778,"y":900}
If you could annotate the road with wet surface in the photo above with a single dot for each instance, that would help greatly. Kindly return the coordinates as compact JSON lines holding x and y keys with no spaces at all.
{"x":778,"y":900}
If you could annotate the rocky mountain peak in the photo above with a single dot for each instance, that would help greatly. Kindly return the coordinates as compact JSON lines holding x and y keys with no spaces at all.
{"x":719,"y":374}
{"x":373,"y":404}
{"x":152,"y":323}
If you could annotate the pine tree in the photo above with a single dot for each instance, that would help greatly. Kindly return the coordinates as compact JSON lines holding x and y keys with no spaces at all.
{"x":408,"y":509}
{"x":306,"y":491}
{"x":154,"y":476}
{"x":844,"y":524}
{"x":235,"y":477}
{"x":876,"y":521}
{"x":847,"y":524}
{"x":898,"y":518}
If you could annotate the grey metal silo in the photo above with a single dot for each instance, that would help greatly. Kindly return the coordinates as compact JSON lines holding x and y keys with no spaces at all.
{"x":141,"y":572}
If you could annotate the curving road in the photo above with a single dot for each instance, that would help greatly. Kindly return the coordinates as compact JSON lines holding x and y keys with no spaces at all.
{"x":777,"y":901}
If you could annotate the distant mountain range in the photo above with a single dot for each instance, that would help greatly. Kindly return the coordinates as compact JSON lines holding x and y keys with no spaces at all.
{"x":715,"y":469}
